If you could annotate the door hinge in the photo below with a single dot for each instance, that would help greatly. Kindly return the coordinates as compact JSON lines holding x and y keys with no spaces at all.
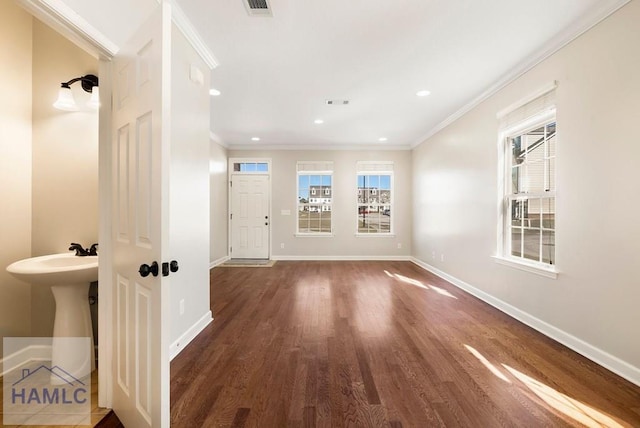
{"x":230,"y":216}
{"x":230,"y":183}
{"x":231,"y":249}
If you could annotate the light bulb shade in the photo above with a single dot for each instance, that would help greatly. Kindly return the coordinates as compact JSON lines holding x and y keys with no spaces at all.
{"x":65,"y":100}
{"x":94,"y":101}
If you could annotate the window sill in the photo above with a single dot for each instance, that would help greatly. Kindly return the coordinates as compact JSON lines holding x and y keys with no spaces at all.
{"x":313,"y":235}
{"x":549,"y":272}
{"x":375,"y":235}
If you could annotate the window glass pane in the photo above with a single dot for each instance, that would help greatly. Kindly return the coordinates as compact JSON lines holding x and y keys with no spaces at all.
{"x":303,"y":219}
{"x":326,"y":180}
{"x":516,"y":241}
{"x":532,"y":213}
{"x":325,"y":220}
{"x":551,"y":130}
{"x":548,"y":247}
{"x":516,"y":212}
{"x":551,"y":143}
{"x":531,"y":244}
{"x":385,"y":182}
{"x":515,"y":179}
{"x":374,"y":181}
{"x":535,"y":176}
{"x":551,"y":178}
{"x":533,"y":140}
{"x":517,"y":153}
{"x":262,"y":167}
{"x":363,"y":219}
{"x":549,"y":213}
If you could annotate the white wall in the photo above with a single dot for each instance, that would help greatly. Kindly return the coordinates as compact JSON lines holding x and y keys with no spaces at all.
{"x":219,"y":203}
{"x":15,"y":166}
{"x":595,"y":298}
{"x":189,"y":190}
{"x":65,"y":160}
{"x":344,"y":243}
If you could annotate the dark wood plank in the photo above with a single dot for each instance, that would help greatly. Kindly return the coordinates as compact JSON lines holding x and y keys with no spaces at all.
{"x":337,"y":344}
{"x":110,"y":421}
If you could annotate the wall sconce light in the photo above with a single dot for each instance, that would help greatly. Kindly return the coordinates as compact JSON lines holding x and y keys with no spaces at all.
{"x":65,"y":99}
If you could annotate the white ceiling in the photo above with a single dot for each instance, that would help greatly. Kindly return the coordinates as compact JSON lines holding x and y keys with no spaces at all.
{"x":275,"y":73}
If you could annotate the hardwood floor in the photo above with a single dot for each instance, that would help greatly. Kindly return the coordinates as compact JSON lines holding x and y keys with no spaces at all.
{"x":372,"y":344}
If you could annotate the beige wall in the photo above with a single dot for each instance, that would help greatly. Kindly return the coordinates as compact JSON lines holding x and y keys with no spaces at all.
{"x":189,"y":188}
{"x":15,"y":166}
{"x":595,"y":298}
{"x":344,"y":243}
{"x":219,"y":202}
{"x":65,"y":160}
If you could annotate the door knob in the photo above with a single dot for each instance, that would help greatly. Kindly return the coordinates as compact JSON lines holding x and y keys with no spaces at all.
{"x":266,"y":224}
{"x":145,"y":269}
{"x":173,"y":266}
{"x":266,"y":217}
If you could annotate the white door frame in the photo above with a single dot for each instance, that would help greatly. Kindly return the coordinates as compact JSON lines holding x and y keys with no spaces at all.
{"x":63,"y":19}
{"x":229,"y":202}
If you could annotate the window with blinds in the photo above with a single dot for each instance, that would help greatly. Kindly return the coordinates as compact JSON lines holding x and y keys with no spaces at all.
{"x":528,"y":136}
{"x":374,"y":198}
{"x":315,"y":198}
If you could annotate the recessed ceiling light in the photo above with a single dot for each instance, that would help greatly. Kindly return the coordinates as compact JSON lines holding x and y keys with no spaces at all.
{"x":423,"y":93}
{"x":214,"y":92}
{"x":382,"y":139}
{"x":255,"y":138}
{"x":318,"y":121}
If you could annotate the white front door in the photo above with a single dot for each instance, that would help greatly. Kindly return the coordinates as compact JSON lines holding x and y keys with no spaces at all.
{"x":250,"y":216}
{"x":140,"y":328}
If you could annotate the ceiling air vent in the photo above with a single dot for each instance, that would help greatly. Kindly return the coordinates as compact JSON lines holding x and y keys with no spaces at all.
{"x":257,"y":7}
{"x":337,"y":102}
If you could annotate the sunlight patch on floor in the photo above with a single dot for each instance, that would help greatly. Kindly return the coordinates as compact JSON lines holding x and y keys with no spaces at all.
{"x":417,"y":283}
{"x":442,"y":291}
{"x":493,"y":369}
{"x":573,"y":408}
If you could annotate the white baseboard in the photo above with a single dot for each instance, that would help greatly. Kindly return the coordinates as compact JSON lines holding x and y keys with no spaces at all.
{"x":342,"y":258}
{"x":23,"y":356}
{"x":218,"y":262}
{"x":597,"y":355}
{"x":177,"y":346}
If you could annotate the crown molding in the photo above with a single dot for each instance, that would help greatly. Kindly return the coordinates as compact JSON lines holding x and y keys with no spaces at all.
{"x":314,"y":147}
{"x":186,"y":27}
{"x":588,"y":21}
{"x":66,"y":21}
{"x":216,"y":139}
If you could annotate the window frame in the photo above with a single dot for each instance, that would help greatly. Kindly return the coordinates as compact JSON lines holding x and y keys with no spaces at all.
{"x":299,"y":173}
{"x":383,"y":171}
{"x":506,"y":196}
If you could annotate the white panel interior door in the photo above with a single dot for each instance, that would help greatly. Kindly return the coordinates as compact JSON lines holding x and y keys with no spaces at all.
{"x":250,"y":217}
{"x":140,"y":215}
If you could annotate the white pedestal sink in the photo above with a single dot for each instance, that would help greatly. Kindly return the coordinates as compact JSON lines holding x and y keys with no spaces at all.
{"x":69,"y":277}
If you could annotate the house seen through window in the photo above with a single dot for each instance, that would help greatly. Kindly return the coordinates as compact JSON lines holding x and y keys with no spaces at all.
{"x":315,"y":199}
{"x":375,"y":198}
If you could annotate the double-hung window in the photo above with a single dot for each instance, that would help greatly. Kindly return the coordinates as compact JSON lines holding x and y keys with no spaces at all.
{"x":315,"y":198}
{"x":528,"y":139}
{"x":375,"y":198}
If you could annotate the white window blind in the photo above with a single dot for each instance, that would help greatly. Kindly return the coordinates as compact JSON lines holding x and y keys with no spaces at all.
{"x":370,"y":166}
{"x":529,"y":107}
{"x":315,"y":166}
